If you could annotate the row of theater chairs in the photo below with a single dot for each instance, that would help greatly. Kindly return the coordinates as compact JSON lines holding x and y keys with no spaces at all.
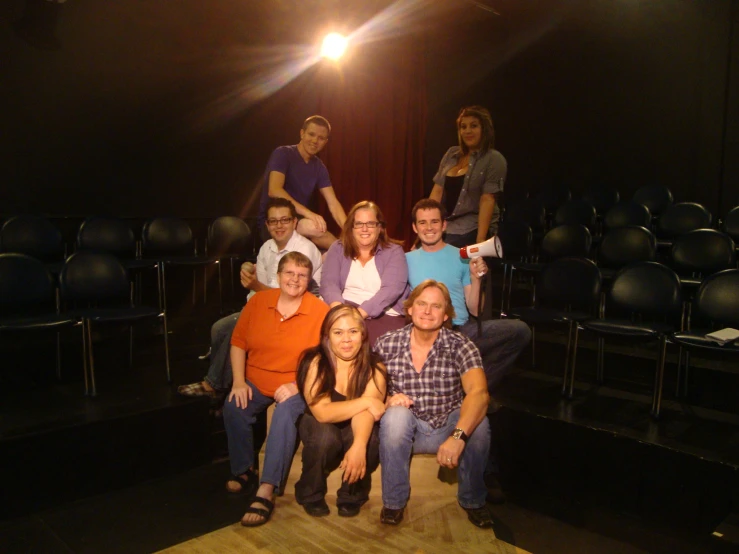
{"x":644,"y":302}
{"x":164,"y":241}
{"x":693,"y":255}
{"x":91,"y":288}
{"x":666,"y":219}
{"x":656,"y":198}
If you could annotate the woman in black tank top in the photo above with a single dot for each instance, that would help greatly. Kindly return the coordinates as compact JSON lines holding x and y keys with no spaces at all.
{"x":343,"y":383}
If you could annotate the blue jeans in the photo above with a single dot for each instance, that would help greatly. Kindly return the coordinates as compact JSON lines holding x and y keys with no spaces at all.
{"x":219,"y":374}
{"x":280,"y":449}
{"x":403,"y":434}
{"x":501,"y":342}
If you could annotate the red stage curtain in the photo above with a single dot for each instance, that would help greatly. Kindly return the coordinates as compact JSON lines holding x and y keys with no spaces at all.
{"x":376,"y":103}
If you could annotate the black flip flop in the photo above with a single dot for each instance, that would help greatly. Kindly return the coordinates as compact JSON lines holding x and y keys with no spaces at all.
{"x":266,"y":514}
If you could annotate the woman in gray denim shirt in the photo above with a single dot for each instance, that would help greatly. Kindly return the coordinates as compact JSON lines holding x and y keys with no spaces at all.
{"x":470,"y":179}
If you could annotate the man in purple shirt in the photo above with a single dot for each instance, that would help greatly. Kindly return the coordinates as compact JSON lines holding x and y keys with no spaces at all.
{"x":294,"y":172}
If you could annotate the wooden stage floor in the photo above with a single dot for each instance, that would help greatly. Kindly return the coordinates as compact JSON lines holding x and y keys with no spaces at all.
{"x":433,"y":522}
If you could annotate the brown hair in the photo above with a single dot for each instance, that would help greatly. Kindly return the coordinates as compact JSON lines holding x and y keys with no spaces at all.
{"x":277,"y":202}
{"x":316,"y":120}
{"x":366,"y":364}
{"x":422,"y":286}
{"x":487,"y":139}
{"x":300,"y":260}
{"x":351,"y":250}
{"x":428,"y":204}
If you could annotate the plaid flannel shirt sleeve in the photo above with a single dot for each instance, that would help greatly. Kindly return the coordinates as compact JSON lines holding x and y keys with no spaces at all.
{"x":468,"y":357}
{"x":387,"y":347}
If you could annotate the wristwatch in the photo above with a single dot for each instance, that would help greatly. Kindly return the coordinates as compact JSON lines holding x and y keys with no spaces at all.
{"x":459,"y":434}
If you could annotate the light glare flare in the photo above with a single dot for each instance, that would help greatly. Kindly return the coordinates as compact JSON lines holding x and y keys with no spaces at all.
{"x":334,"y":46}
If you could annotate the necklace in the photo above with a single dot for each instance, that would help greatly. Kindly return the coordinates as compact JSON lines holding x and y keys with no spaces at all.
{"x":286,"y":315}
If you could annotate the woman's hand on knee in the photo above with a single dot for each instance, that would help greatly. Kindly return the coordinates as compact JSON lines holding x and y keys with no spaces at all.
{"x":354,"y":464}
{"x":241,"y":393}
{"x":285,"y":391}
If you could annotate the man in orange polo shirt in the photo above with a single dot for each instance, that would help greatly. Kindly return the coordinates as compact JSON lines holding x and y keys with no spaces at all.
{"x":273,"y":330}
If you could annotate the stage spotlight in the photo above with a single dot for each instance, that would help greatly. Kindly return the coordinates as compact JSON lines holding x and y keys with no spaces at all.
{"x":334,"y":46}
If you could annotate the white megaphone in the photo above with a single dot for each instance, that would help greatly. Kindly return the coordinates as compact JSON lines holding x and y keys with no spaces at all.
{"x":491,"y":248}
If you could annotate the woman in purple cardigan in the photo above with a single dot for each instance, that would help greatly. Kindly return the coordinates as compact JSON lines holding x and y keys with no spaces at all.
{"x":367,"y":269}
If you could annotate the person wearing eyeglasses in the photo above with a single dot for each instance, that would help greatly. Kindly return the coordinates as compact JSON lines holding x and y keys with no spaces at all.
{"x":273,"y":330}
{"x":367,"y":269}
{"x":281,"y":224}
{"x":294,"y":172}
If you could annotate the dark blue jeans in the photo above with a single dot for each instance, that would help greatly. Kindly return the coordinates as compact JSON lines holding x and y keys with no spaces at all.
{"x":219,"y":374}
{"x":500,"y":343}
{"x":280,"y":449}
{"x":403,"y":434}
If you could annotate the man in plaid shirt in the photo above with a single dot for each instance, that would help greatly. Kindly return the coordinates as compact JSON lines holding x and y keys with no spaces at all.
{"x":437,"y":402}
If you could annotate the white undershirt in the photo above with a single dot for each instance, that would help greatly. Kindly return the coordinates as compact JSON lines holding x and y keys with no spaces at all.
{"x":363,"y":283}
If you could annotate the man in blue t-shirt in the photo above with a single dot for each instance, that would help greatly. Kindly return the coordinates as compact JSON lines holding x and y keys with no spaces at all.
{"x":294,"y":172}
{"x":501,"y":340}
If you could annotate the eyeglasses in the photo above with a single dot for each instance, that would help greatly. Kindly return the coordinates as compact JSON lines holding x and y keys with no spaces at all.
{"x":283,"y":220}
{"x":292,"y":275}
{"x":368,"y":224}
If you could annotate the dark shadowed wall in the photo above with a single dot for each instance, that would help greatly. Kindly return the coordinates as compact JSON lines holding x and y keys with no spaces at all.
{"x":623,"y":93}
{"x":147,"y":107}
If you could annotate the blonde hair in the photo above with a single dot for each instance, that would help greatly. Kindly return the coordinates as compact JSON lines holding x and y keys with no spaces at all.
{"x":422,"y":286}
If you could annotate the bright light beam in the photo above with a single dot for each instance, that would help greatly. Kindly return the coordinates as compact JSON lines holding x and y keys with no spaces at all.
{"x":334,"y":46}
{"x":260,"y":72}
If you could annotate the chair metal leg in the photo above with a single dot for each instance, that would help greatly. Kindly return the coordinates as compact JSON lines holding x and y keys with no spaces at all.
{"x":130,"y":346}
{"x":163,"y":290}
{"x":220,"y":286}
{"x":194,"y":285}
{"x":160,"y":293}
{"x":138,"y":287}
{"x":94,"y":392}
{"x":58,"y":356}
{"x":166,"y":346}
{"x":659,"y":376}
{"x":57,"y":301}
{"x":85,"y":369}
{"x":533,"y":345}
{"x":510,"y":289}
{"x":678,"y":381}
{"x":686,"y":374}
{"x":503,"y":291}
{"x":130,"y":329}
{"x":567,"y":360}
{"x":574,"y":362}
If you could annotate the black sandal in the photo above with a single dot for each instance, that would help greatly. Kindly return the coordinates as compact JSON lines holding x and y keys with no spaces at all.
{"x":266,"y":514}
{"x":248,"y":485}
